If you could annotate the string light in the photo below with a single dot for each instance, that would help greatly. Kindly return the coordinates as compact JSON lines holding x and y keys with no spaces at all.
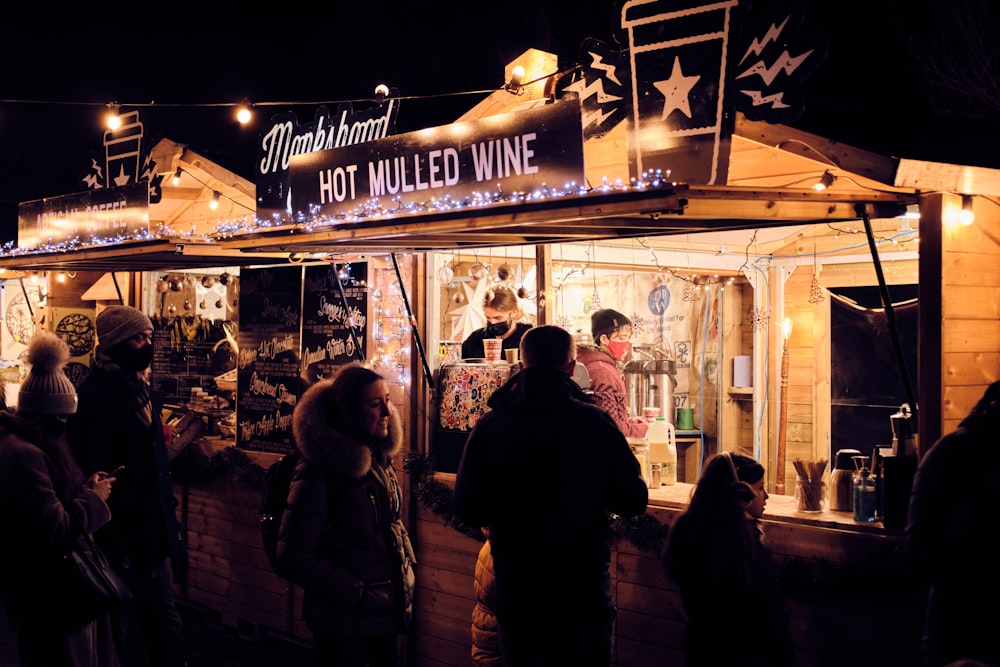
{"x":214,"y":204}
{"x":112,"y":119}
{"x":967,"y":216}
{"x":243,"y":114}
{"x":177,"y":177}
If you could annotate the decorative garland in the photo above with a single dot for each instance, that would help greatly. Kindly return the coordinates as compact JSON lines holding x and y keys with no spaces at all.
{"x":802,"y":578}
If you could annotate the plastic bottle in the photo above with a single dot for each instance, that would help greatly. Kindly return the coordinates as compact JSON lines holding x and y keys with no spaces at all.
{"x":662,"y":450}
{"x":864,"y":492}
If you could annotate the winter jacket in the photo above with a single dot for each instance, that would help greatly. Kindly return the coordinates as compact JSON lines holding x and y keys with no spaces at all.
{"x":607,"y":386}
{"x":104,"y":434}
{"x":949,"y":545}
{"x":42,"y":530}
{"x":342,"y":538}
{"x":485,"y":630}
{"x":544,"y":469}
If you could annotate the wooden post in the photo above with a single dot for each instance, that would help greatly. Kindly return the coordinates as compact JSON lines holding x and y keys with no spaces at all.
{"x":779,"y":458}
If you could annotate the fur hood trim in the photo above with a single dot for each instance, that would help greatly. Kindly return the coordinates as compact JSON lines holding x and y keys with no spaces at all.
{"x":324,"y":444}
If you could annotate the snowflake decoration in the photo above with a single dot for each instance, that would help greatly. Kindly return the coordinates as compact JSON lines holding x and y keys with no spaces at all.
{"x":758,"y":318}
{"x":638,"y":323}
{"x":564,"y":322}
{"x":815,"y":291}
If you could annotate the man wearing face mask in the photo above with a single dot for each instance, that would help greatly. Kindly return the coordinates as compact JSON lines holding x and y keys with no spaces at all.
{"x":118,"y":424}
{"x":612,"y":333}
{"x":502,"y":314}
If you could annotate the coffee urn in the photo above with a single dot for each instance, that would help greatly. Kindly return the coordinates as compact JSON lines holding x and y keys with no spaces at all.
{"x":651,"y":382}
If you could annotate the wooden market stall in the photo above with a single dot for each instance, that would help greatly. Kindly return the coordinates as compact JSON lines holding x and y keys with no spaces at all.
{"x":846,"y":598}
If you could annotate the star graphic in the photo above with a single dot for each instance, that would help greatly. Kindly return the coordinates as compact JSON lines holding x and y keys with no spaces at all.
{"x":676,"y":91}
{"x":469,"y":317}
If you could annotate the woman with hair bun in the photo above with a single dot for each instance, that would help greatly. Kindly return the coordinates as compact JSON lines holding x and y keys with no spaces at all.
{"x":503,"y":315}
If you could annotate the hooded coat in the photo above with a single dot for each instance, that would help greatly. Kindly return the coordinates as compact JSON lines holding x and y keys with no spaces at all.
{"x":524,"y":466}
{"x":342,"y":538}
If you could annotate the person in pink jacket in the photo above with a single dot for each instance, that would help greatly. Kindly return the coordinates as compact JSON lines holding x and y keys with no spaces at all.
{"x":611,"y":332}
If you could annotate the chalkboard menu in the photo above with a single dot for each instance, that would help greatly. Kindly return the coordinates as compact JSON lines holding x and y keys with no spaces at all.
{"x":179,"y":366}
{"x":329,"y":318}
{"x":267,"y":382}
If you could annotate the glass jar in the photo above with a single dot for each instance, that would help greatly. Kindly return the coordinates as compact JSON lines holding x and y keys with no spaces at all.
{"x":810,"y":495}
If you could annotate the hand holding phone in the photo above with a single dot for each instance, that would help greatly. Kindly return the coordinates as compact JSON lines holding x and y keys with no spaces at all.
{"x":114,"y":473}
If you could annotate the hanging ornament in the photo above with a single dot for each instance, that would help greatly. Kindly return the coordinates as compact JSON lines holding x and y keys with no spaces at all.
{"x":445,"y":275}
{"x":208,"y":281}
{"x":504,"y":272}
{"x":690,"y":291}
{"x":175,"y":285}
{"x":815,"y":291}
{"x":758,"y":318}
{"x":522,"y":293}
{"x":595,"y":300}
{"x":458,"y":298}
{"x":187,"y":305}
{"x":224,"y":278}
{"x":203,"y":305}
{"x":162,"y":285}
{"x":218,"y":303}
{"x":564,"y":322}
{"x":478,"y":271}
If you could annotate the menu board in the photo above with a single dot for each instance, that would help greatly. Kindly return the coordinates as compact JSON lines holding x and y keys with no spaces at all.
{"x":267,"y":381}
{"x":334,"y":325}
{"x":180,"y":365}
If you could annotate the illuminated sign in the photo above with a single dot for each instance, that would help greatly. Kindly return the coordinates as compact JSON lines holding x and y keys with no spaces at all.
{"x":104,"y":213}
{"x":506,"y":153}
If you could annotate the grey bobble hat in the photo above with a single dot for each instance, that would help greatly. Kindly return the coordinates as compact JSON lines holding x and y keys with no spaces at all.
{"x":119,"y":323}
{"x":47,"y":390}
{"x":606,"y":321}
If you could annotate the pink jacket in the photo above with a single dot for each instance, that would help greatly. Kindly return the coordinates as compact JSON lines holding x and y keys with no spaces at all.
{"x":608,"y":385}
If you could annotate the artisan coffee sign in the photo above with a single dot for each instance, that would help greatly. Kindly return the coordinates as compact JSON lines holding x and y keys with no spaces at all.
{"x":85,"y":216}
{"x":507,"y":153}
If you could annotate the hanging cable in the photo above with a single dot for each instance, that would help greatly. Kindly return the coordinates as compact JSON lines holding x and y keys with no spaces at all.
{"x":118,"y":289}
{"x":890,"y":313}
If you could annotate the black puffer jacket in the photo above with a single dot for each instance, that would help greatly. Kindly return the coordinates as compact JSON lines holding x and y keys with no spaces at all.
{"x":342,"y":538}
{"x":543,"y":469}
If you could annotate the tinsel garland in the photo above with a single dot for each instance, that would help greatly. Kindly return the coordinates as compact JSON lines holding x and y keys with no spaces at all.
{"x":802,"y":578}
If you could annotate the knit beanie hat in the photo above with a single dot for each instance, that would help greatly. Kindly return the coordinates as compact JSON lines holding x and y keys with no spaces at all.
{"x":47,"y":390}
{"x":119,"y":323}
{"x":606,"y":321}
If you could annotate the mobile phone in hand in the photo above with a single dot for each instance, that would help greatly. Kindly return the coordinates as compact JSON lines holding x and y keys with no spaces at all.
{"x":114,"y":473}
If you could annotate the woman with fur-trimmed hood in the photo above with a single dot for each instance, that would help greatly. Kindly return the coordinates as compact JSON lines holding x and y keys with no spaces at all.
{"x":342,"y":539}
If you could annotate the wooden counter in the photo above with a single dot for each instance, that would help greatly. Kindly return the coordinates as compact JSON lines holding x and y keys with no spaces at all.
{"x":838,"y":614}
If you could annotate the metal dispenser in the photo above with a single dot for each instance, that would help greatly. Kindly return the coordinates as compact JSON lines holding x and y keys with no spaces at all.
{"x":651,"y":381}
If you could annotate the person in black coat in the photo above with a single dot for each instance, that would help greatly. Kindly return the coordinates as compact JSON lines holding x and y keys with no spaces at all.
{"x":117,"y":424}
{"x":949,"y":543}
{"x":544,"y":470}
{"x":502,"y":311}
{"x":342,"y":537}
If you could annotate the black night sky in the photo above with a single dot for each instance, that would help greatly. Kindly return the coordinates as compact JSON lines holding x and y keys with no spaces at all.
{"x":62,"y":68}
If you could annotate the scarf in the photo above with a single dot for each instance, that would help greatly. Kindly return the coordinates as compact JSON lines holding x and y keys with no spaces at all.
{"x":131,"y":388}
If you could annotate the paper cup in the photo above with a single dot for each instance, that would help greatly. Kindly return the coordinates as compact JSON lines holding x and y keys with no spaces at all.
{"x":650,"y":413}
{"x":512,"y":355}
{"x":492,"y":347}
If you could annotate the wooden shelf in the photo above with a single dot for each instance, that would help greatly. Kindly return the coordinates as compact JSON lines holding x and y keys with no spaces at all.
{"x":741,"y":391}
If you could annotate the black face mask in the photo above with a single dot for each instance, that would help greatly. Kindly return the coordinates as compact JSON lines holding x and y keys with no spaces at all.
{"x":132,"y":361}
{"x":496,"y":330}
